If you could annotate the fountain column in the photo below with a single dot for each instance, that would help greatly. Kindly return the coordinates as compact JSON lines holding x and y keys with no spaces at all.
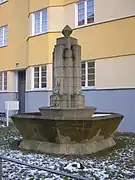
{"x":67,"y":73}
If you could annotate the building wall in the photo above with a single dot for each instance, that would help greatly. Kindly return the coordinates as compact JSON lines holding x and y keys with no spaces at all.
{"x":107,"y":39}
{"x":107,"y":10}
{"x":114,"y":38}
{"x":6,"y":96}
{"x":114,"y":73}
{"x":57,"y":19}
{"x":110,"y":73}
{"x":115,"y":100}
{"x":36,"y":99}
{"x":15,"y":15}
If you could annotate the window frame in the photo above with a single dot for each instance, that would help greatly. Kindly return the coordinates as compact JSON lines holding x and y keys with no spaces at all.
{"x":40,"y":78}
{"x":85,"y":14}
{"x":1,"y":2}
{"x":33,"y":22}
{"x":86,"y":75}
{"x":2,"y":85}
{"x":4,"y":35}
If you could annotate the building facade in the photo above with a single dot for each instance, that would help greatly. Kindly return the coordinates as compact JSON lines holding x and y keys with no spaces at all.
{"x":106,"y":32}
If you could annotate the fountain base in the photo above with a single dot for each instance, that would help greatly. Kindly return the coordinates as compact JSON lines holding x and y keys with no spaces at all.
{"x":88,"y":147}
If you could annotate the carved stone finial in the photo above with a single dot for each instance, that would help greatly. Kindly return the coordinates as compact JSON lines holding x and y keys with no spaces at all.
{"x":67,"y":31}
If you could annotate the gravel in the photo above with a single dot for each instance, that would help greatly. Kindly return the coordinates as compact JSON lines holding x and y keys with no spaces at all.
{"x":115,"y":163}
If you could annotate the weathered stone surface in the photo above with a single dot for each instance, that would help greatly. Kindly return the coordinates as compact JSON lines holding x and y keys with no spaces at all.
{"x":63,"y":41}
{"x":67,"y":73}
{"x":65,"y":148}
{"x":58,"y":130}
{"x":67,"y":31}
{"x":66,"y":101}
{"x":67,"y":113}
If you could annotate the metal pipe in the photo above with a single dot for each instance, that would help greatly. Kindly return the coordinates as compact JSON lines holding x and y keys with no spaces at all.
{"x":39,"y":168}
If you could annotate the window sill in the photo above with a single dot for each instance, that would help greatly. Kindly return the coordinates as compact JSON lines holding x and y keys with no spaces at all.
{"x":35,"y":35}
{"x":50,"y":89}
{"x":85,"y":25}
{"x":3,"y":46}
{"x":89,"y":87}
{"x":4,"y":2}
{"x":3,"y":91}
{"x":41,"y":89}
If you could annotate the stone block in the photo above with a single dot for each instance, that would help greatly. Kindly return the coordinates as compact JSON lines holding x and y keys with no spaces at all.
{"x":58,"y":56}
{"x":68,"y":54}
{"x":76,"y":53}
{"x":68,"y":72}
{"x":67,"y":148}
{"x":77,"y":72}
{"x":78,"y":101}
{"x":76,"y":82}
{"x":68,"y":113}
{"x":58,"y":72}
{"x":65,"y":41}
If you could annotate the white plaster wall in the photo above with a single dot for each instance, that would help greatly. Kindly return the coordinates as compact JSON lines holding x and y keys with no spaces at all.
{"x":55,"y":18}
{"x":12,"y":81}
{"x":69,"y":15}
{"x":59,"y":17}
{"x":106,"y":10}
{"x":49,"y":76}
{"x":28,"y":78}
{"x":118,"y":72}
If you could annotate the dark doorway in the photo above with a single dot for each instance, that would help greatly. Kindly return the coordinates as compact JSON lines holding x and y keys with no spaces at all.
{"x":21,"y":90}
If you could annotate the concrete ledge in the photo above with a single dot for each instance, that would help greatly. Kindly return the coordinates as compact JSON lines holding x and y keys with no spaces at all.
{"x":67,"y":149}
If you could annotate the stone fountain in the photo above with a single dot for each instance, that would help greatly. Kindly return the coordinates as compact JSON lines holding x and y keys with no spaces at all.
{"x":67,"y":126}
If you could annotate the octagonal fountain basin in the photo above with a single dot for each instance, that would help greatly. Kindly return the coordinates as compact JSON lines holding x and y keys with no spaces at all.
{"x":76,"y":137}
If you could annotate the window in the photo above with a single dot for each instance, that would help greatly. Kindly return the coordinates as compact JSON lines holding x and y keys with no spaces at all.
{"x":39,"y":22}
{"x":85,"y":12}
{"x":3,"y":81}
{"x":40,"y":77}
{"x":1,"y":1}
{"x":88,"y":73}
{"x":3,"y":36}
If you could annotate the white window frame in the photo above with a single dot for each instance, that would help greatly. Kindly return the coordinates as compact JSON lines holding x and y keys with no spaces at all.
{"x":40,"y":78}
{"x":85,"y":14}
{"x":2,"y":1}
{"x":33,"y":23}
{"x":4,"y":36}
{"x":86,"y":75}
{"x":3,"y":90}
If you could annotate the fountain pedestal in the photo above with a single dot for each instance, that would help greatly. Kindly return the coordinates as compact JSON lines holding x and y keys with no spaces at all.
{"x":67,"y":101}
